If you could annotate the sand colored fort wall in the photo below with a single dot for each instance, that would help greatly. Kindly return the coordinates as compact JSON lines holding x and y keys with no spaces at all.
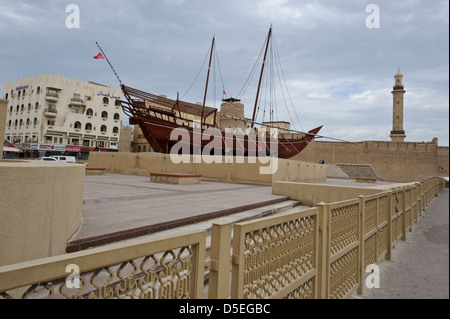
{"x":145,"y":163}
{"x":40,"y":208}
{"x":392,"y":161}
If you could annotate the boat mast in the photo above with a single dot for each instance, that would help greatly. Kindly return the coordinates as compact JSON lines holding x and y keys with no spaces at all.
{"x":260,"y":77}
{"x":207,"y":79}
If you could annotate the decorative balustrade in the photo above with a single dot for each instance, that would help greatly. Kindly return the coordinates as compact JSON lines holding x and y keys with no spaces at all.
{"x":321,"y":252}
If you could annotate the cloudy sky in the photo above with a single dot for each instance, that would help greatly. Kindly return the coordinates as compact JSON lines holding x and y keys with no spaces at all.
{"x":339,"y":72}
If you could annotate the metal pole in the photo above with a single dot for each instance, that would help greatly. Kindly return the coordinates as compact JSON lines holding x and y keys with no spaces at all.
{"x":104,"y":55}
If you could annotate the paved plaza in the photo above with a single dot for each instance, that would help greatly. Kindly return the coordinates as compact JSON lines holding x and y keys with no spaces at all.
{"x":118,"y":207}
{"x":419,"y":268}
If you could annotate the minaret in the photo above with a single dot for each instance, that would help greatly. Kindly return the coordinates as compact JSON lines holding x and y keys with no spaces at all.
{"x":397,"y":133}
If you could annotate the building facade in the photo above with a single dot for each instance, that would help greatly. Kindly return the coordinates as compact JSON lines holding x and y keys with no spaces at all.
{"x":54,"y":114}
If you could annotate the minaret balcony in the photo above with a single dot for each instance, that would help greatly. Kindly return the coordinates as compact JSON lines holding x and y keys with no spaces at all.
{"x":400,"y":87}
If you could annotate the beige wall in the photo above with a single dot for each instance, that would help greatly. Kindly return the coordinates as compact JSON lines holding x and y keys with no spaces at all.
{"x":40,"y":208}
{"x":393,"y":161}
{"x":313,"y":194}
{"x":144,"y":163}
{"x":3,"y":106}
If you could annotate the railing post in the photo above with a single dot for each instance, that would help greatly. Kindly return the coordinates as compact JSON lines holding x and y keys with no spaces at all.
{"x":403,"y":220}
{"x":323,"y":252}
{"x":388,"y":255}
{"x":219,"y":273}
{"x":362,"y":213}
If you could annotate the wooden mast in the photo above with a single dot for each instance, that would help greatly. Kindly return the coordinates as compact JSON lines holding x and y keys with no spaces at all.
{"x":207,"y":79}
{"x":261,"y":75}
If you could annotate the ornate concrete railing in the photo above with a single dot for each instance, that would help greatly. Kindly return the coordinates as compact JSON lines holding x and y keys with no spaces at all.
{"x":321,"y":252}
{"x":166,"y":268}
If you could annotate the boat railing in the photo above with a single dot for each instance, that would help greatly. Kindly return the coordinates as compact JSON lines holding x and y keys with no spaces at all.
{"x":136,"y":110}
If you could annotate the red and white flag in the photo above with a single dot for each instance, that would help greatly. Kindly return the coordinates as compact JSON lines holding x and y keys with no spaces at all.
{"x":99,"y":56}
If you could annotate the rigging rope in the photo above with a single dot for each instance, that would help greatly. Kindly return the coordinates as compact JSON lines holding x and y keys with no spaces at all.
{"x":214,"y":68}
{"x":287,"y":88}
{"x":193,"y":82}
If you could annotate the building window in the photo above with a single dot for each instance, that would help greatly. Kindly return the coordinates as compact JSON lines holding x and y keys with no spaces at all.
{"x":103,"y":129}
{"x":115,"y":130}
{"x":77,"y":125}
{"x":105,"y":101}
{"x":38,"y":90}
{"x":88,"y":127}
{"x":90,"y":112}
{"x":104,"y":115}
{"x":116,"y":116}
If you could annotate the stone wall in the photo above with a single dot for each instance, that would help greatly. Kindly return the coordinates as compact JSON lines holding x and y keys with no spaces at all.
{"x":392,"y":161}
{"x":3,"y":106}
{"x":40,"y":208}
{"x":226,"y":171}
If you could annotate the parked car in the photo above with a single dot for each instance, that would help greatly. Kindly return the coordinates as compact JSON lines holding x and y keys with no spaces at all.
{"x":49,"y":159}
{"x":66,"y":159}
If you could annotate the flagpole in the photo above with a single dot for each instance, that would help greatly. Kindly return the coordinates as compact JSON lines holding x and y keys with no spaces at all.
{"x":106,"y":58}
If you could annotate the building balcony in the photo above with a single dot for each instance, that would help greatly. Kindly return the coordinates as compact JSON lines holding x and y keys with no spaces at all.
{"x":53,"y":128}
{"x":50,"y":112}
{"x":76,"y":101}
{"x":52,"y":97}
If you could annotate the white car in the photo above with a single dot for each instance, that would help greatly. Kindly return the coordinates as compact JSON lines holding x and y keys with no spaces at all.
{"x":66,"y":159}
{"x":49,"y":159}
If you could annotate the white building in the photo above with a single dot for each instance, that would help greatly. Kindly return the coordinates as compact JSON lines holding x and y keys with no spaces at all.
{"x":53,"y":113}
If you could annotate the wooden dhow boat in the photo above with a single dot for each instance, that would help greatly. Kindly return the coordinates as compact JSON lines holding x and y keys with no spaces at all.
{"x":160,"y":117}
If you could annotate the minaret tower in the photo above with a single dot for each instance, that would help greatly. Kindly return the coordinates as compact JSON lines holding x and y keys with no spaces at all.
{"x":397,"y":133}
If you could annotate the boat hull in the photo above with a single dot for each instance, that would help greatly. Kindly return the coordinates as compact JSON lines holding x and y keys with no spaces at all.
{"x":169,"y":137}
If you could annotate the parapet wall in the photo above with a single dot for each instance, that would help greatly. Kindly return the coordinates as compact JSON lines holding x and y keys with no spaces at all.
{"x":392,"y":161}
{"x":40,"y":208}
{"x":227,"y":171}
